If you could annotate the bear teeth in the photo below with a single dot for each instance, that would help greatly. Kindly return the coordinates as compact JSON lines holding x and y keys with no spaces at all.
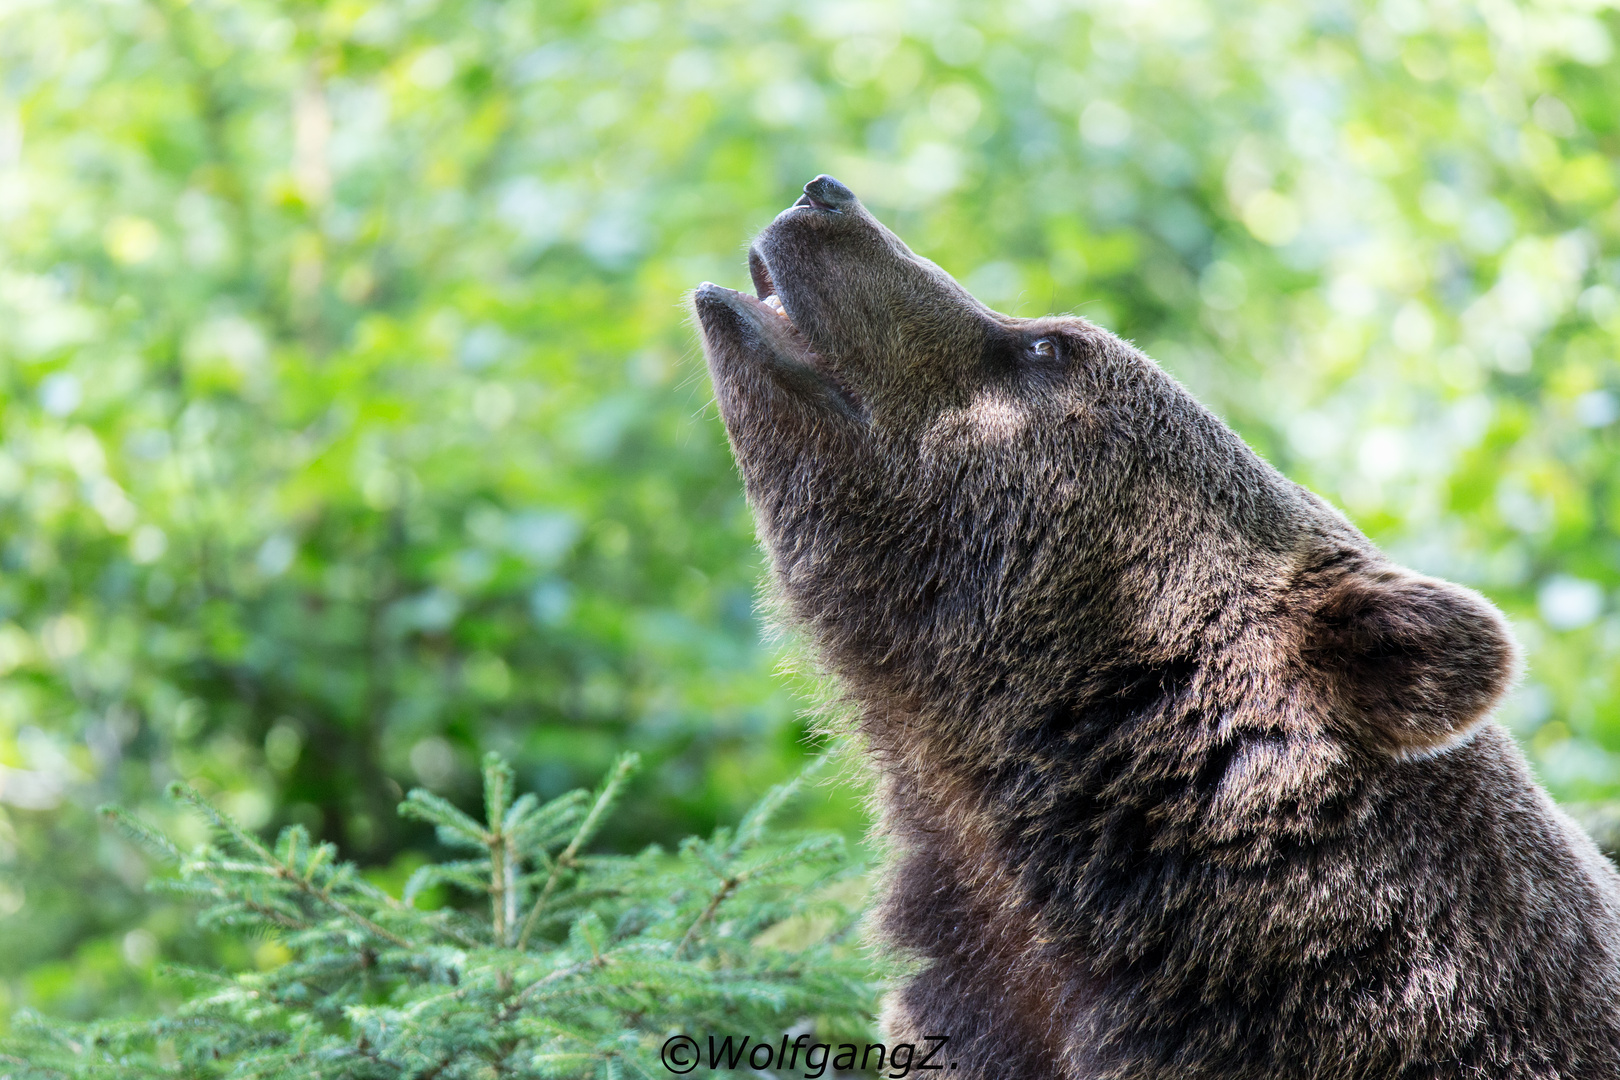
{"x":774,"y":302}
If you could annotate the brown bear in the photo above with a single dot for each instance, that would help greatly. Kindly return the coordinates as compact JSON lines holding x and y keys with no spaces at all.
{"x":1184,"y":778}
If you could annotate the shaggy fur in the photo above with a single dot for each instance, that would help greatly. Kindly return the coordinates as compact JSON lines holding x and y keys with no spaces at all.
{"x":1185,"y":778}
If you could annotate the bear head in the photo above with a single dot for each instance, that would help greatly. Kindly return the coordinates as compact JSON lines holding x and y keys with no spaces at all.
{"x":999,"y":512}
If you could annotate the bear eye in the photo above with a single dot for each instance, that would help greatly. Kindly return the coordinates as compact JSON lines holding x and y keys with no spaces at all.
{"x":1045,"y":348}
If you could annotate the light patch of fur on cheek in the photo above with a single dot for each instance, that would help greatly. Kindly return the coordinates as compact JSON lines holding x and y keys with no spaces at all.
{"x":991,"y":419}
{"x":994,"y":417}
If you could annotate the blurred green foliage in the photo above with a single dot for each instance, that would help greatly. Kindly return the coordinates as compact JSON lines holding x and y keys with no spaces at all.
{"x":352,"y":424}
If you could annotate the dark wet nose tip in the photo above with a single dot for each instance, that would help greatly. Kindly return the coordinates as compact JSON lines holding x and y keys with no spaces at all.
{"x":827,"y":192}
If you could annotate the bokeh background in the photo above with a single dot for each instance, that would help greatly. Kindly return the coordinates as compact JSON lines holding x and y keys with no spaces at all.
{"x":353,"y":424}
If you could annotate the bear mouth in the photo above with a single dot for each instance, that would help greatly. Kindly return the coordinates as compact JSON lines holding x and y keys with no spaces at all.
{"x":765,"y":288}
{"x":767,"y":314}
{"x":776,"y":340}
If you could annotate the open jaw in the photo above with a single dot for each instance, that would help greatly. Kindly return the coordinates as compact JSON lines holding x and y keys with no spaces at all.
{"x":758,"y":330}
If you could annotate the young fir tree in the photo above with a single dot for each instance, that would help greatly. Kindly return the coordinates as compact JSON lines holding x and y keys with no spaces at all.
{"x":580,"y":966}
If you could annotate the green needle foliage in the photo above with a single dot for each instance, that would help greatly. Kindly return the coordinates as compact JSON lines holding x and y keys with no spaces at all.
{"x":579,"y":966}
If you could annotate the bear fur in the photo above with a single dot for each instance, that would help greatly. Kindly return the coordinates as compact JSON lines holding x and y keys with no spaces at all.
{"x":1184,"y":778}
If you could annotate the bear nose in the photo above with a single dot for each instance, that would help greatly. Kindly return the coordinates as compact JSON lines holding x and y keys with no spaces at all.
{"x":826,"y":193}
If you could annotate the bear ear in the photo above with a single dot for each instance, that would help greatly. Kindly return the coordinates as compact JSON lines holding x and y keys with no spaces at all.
{"x":1412,"y":663}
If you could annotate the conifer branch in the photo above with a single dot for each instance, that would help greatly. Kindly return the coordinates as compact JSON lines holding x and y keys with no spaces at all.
{"x":727,"y":887}
{"x":423,"y":998}
{"x":605,"y":798}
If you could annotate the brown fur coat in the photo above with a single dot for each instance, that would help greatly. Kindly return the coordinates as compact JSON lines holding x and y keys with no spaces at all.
{"x":1185,"y":778}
